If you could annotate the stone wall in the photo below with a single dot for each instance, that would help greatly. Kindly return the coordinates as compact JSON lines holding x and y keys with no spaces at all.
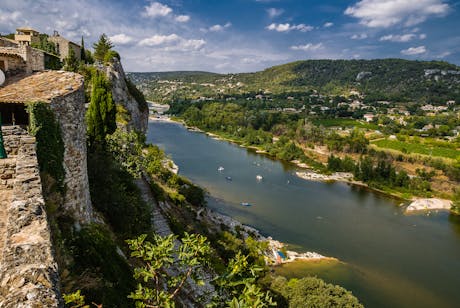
{"x":28,"y":271}
{"x":12,"y":137}
{"x":116,"y":75}
{"x":13,"y":64}
{"x":69,"y":111}
{"x":36,"y":59}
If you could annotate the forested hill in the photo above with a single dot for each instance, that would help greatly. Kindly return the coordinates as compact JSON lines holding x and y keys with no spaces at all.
{"x":387,"y":79}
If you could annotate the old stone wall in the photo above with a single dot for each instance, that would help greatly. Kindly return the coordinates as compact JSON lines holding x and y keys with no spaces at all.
{"x":12,"y":137}
{"x":13,"y":64}
{"x":36,"y":59}
{"x":69,"y":111}
{"x":138,"y":119}
{"x":28,"y":271}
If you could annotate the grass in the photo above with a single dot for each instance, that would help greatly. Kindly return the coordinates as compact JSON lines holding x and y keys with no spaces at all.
{"x":344,"y":123}
{"x":418,"y":148}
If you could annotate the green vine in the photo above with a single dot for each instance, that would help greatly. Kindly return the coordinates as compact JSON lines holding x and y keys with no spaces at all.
{"x":50,"y":147}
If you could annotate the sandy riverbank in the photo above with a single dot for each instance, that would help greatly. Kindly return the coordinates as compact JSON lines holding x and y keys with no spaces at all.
{"x":429,"y":204}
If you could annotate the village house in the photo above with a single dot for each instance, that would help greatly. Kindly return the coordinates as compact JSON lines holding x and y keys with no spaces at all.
{"x":369,"y":117}
{"x":63,"y":46}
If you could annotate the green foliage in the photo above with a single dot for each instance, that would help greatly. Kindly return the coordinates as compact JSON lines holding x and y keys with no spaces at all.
{"x":126,"y":149}
{"x":110,"y":55}
{"x":52,"y":62}
{"x":45,"y":45}
{"x":75,"y":300}
{"x":456,"y":202}
{"x":418,"y":148}
{"x":114,"y":194}
{"x":101,"y":114}
{"x":50,"y":147}
{"x":70,"y":62}
{"x":102,"y":48}
{"x":158,"y":288}
{"x":82,"y":50}
{"x":100,"y":271}
{"x":162,"y":257}
{"x":138,"y":95}
{"x":313,"y":292}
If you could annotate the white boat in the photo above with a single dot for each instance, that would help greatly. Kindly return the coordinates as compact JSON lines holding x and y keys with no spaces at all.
{"x":220,"y":168}
{"x":259,"y":177}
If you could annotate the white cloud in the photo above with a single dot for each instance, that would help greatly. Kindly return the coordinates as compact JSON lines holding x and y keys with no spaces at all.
{"x":308,"y":47}
{"x":414,"y":51}
{"x":398,"y":38}
{"x":157,"y":40}
{"x":274,"y":12}
{"x":120,"y":39}
{"x":156,"y":9}
{"x":217,"y":28}
{"x":422,"y":36}
{"x":288,"y":27}
{"x":7,"y":17}
{"x":182,"y":18}
{"x":444,"y":54}
{"x":386,"y":13}
{"x":172,"y":42}
{"x":361,"y":36}
{"x":328,"y":24}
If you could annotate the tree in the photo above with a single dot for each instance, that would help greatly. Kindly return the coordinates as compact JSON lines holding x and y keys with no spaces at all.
{"x":82,"y":51}
{"x":100,"y":117}
{"x":168,"y":265}
{"x":71,"y":62}
{"x":102,"y":47}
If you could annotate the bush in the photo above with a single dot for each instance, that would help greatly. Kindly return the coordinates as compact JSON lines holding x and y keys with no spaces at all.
{"x":313,"y":292}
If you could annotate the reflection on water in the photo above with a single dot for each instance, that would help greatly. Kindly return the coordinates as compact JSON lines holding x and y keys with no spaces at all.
{"x":390,"y":260}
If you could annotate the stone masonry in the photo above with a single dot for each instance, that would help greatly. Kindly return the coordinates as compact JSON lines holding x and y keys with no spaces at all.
{"x":64,"y":92}
{"x":28,"y":271}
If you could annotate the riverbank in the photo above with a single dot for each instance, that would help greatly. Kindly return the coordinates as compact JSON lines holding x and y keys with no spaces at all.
{"x":276,"y":252}
{"x":310,"y":175}
{"x":429,"y":204}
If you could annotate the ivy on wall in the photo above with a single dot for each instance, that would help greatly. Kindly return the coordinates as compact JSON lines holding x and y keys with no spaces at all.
{"x":50,"y":147}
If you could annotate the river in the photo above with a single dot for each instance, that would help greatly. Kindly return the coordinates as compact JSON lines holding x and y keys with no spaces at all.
{"x":389,"y":259}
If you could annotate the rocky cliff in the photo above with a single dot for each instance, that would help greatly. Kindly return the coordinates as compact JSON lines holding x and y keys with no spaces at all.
{"x":138,"y":116}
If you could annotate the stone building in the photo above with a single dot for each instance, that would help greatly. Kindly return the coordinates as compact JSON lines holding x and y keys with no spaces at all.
{"x":27,"y":36}
{"x":63,"y":46}
{"x":17,"y":58}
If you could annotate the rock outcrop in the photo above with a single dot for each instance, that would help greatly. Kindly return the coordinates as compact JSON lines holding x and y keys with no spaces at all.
{"x":121,"y":96}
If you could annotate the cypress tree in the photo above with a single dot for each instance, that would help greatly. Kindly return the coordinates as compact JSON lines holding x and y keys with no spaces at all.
{"x":101,"y":113}
{"x":82,"y":51}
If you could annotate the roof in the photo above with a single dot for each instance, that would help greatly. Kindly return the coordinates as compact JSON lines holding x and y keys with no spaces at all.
{"x":26,"y":29}
{"x":39,"y":87}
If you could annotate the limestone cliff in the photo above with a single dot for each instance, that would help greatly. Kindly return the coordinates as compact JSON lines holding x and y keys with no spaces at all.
{"x":138,"y":116}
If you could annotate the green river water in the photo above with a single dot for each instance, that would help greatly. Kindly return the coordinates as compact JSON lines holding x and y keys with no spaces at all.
{"x":388,"y":259}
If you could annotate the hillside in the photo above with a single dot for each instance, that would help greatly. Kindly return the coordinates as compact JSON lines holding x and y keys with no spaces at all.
{"x":387,"y":79}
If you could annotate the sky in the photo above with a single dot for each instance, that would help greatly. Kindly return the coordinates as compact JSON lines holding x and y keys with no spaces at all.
{"x":229,"y":36}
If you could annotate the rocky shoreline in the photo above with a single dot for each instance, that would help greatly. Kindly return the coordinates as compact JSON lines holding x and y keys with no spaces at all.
{"x":276,"y":253}
{"x":336,"y":176}
{"x":428,"y":204}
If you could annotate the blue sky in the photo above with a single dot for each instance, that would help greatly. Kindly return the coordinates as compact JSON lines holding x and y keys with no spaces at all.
{"x":248,"y":35}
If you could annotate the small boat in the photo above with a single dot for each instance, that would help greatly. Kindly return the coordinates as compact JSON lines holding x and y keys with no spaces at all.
{"x":259,"y":177}
{"x":228,"y":178}
{"x":220,"y":168}
{"x":245,"y":204}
